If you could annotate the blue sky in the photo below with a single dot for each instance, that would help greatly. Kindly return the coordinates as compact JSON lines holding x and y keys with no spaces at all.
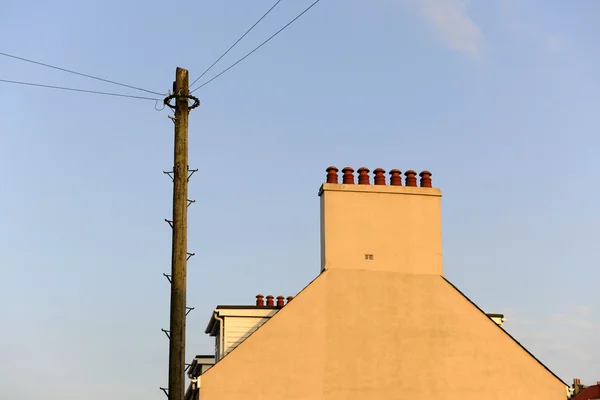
{"x":496,"y":98}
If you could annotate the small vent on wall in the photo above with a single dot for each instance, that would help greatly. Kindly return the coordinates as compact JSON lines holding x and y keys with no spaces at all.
{"x":369,"y":257}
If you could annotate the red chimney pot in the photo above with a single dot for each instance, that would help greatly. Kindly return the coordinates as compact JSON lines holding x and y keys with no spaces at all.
{"x":332,"y":174}
{"x":363,"y":176}
{"x":289,"y":298}
{"x":425,"y":179}
{"x":395,"y":177}
{"x":280,"y":302}
{"x":411,"y":178}
{"x":379,"y":176}
{"x":348,"y":177}
{"x":260,"y":302}
{"x":270,"y":302}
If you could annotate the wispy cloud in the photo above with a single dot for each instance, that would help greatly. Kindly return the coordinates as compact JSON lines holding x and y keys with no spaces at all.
{"x":450,"y":20}
{"x":523,"y":25}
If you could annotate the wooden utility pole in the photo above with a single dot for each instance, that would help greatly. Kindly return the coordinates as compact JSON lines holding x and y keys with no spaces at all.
{"x":179,"y":245}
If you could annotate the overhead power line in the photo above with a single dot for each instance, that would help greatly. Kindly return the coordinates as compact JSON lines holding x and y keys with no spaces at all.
{"x":78,"y":90}
{"x":79,"y":73}
{"x":256,"y":48}
{"x":236,"y":42}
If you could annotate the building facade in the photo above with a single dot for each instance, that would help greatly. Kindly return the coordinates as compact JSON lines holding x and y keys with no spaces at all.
{"x":380,"y":321}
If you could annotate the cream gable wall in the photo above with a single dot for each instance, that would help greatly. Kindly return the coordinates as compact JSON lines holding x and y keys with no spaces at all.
{"x":359,"y":334}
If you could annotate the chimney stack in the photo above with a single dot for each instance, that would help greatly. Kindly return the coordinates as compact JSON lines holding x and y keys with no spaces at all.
{"x":379,"y":226}
{"x":576,"y":385}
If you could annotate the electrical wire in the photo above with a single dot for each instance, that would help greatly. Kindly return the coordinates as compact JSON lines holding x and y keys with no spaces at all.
{"x":79,"y":73}
{"x":78,"y":90}
{"x":236,"y":42}
{"x":256,"y":48}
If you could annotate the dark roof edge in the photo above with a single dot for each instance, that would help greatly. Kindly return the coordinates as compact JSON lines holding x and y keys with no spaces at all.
{"x":509,"y":335}
{"x":491,"y":315}
{"x":212,"y":321}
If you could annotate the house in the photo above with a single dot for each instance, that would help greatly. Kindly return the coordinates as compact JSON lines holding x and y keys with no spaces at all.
{"x":231,"y":325}
{"x":582,"y":392}
{"x":380,"y":321}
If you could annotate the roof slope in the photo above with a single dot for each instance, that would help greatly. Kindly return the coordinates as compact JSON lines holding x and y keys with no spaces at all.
{"x":589,"y":393}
